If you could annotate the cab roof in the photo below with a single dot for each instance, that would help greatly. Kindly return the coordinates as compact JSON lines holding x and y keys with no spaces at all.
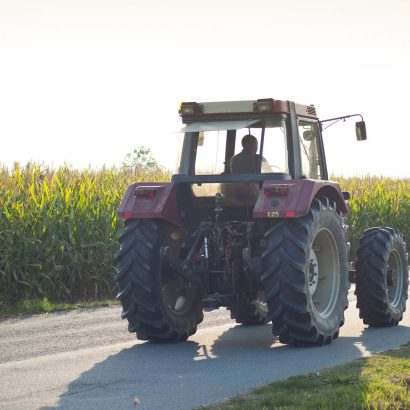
{"x":194,"y":111}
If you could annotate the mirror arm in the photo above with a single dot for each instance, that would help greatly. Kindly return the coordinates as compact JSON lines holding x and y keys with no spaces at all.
{"x":342,"y":118}
{"x":360,"y":125}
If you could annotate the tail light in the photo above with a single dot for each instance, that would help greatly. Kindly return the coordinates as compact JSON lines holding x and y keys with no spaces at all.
{"x":276,"y":190}
{"x":145,"y":192}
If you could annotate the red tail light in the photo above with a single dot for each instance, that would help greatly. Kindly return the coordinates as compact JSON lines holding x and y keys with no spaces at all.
{"x":276,"y":190}
{"x":145,"y":192}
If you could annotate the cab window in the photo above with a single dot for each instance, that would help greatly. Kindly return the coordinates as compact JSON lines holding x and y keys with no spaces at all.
{"x":312,"y":166}
{"x":211,"y":149}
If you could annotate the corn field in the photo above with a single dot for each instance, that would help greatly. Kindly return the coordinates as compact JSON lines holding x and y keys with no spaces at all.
{"x":59,"y":229}
{"x":377,"y":202}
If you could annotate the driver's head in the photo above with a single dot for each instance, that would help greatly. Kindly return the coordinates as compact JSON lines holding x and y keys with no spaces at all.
{"x":249,"y":142}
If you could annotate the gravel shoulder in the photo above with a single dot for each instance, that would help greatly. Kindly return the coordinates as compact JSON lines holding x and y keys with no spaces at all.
{"x":28,"y":337}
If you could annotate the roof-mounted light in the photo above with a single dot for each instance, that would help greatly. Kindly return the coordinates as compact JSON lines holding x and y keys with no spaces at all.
{"x":264,"y":105}
{"x":190,"y":108}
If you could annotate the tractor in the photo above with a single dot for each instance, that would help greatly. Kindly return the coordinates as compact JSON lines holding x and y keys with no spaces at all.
{"x":251,"y":222}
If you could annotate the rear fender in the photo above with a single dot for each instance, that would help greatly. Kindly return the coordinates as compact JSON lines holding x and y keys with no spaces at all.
{"x":144,"y":200}
{"x":292,"y":199}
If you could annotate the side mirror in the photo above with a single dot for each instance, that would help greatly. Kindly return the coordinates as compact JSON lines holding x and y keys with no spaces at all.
{"x":361,"y":134}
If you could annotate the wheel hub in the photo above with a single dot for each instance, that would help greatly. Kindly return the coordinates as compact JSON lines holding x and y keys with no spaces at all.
{"x":313,"y":272}
{"x":180,"y":303}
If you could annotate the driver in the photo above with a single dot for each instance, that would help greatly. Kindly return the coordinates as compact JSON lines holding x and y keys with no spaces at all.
{"x":247,"y":161}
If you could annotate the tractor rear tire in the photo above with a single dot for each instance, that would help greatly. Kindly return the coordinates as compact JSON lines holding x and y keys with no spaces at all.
{"x":304,"y":271}
{"x":381,"y":277}
{"x":158,"y":304}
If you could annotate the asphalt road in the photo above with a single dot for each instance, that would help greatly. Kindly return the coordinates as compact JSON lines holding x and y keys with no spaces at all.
{"x":87,"y":360}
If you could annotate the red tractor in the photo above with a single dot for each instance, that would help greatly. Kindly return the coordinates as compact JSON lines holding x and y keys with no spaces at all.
{"x":252,"y":223}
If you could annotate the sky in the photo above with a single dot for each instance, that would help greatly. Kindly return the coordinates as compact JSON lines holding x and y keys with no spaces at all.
{"x":84,"y":82}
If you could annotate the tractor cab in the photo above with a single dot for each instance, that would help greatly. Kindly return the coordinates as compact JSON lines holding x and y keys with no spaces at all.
{"x":216,"y":159}
{"x":288,"y":139}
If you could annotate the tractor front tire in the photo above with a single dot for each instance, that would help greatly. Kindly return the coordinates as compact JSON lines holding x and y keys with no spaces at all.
{"x":159,"y":304}
{"x":381,"y":277}
{"x":304,"y":271}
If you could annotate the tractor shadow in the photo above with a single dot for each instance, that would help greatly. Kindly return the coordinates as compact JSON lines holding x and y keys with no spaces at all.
{"x":205,"y":370}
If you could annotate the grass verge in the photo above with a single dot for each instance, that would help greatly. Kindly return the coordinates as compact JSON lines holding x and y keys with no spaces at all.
{"x":30,"y":307}
{"x":381,"y":381}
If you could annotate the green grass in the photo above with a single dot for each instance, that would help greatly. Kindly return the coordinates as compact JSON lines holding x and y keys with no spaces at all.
{"x":381,"y":381}
{"x":33,"y":307}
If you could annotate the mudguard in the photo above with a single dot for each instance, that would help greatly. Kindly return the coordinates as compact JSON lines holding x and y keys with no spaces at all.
{"x":145,"y":200}
{"x":292,"y":198}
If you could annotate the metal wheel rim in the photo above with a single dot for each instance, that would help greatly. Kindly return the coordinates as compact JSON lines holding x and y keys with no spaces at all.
{"x":395,"y":290}
{"x":178,"y":301}
{"x":324,"y":293}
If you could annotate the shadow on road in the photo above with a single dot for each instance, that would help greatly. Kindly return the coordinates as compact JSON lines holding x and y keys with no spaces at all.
{"x":189,"y":374}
